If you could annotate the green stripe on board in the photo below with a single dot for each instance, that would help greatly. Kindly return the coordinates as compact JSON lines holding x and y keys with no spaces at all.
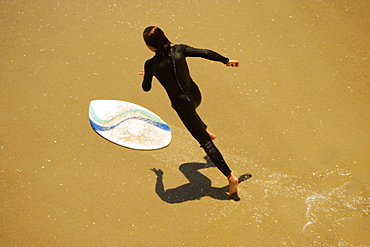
{"x":101,"y":121}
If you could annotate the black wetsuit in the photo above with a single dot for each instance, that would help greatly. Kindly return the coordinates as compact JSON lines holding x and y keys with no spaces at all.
{"x":172,"y":72}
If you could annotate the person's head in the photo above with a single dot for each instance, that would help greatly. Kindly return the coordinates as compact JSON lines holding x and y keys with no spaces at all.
{"x":154,"y":37}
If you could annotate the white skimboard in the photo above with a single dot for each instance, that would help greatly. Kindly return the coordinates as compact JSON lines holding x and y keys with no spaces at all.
{"x":129,"y":125}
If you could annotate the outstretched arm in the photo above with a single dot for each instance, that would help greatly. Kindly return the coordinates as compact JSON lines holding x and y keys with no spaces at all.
{"x":204,"y":53}
{"x":209,"y":54}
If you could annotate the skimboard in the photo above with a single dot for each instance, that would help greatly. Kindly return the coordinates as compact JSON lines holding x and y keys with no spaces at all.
{"x":129,"y":125}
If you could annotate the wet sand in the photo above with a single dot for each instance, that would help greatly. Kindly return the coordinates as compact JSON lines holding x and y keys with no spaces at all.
{"x":294,"y":115}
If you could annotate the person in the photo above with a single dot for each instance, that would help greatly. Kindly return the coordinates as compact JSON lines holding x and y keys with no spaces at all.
{"x":170,"y":68}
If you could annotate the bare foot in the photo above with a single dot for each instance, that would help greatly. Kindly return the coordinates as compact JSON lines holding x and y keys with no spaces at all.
{"x":213,"y":136}
{"x":233,"y":183}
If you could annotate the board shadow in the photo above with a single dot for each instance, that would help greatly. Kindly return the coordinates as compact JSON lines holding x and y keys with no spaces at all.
{"x":199,"y":185}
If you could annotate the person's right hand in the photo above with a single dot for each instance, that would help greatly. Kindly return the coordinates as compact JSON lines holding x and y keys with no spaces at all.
{"x":233,"y":63}
{"x":141,"y":72}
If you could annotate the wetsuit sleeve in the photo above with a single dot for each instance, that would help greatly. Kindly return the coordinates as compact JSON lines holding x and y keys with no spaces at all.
{"x":148,"y":76}
{"x":204,"y":53}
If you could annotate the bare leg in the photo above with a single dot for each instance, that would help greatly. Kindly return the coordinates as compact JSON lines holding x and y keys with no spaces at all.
{"x":233,"y":183}
{"x":213,"y":136}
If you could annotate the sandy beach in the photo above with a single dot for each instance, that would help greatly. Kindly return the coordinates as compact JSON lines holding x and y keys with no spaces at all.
{"x":294,"y":115}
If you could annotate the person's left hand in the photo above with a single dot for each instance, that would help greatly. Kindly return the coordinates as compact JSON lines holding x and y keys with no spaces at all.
{"x":141,"y":72}
{"x":158,"y":172}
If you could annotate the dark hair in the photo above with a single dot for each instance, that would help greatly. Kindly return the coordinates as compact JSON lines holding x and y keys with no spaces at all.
{"x":155,"y":37}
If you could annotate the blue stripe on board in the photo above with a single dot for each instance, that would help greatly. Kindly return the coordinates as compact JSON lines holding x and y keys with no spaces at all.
{"x":156,"y":124}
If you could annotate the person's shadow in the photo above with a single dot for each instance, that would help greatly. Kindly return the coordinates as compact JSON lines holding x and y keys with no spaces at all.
{"x":199,"y":185}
